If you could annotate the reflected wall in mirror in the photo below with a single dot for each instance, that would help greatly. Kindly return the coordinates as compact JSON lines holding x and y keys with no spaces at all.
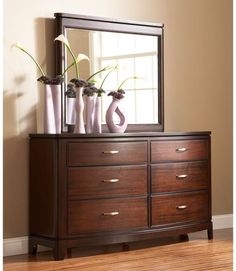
{"x":136,"y":50}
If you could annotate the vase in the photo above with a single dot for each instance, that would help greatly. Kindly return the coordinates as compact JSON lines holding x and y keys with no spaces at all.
{"x":97,"y":123}
{"x":56,"y":99}
{"x":112,"y":126}
{"x":79,"y":108}
{"x":49,"y":112}
{"x":70,"y":111}
{"x":90,"y":100}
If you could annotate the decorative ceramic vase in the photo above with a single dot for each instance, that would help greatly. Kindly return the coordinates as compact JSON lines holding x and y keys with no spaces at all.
{"x":79,"y":107}
{"x":56,"y":99}
{"x":112,"y":126}
{"x":49,"y":120}
{"x":97,"y":126}
{"x":90,"y":102}
{"x":70,"y":111}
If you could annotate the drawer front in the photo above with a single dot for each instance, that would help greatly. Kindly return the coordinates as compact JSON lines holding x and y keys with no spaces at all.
{"x":163,"y":151}
{"x":86,"y":182}
{"x":107,"y":153}
{"x":169,"y":177}
{"x":186,"y":207}
{"x":106,"y":215}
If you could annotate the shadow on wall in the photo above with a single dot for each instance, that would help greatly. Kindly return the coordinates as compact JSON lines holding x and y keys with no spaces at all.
{"x":15,"y":157}
{"x":23,"y":114}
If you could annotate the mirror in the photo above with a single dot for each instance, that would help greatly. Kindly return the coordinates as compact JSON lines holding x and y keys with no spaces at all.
{"x":134,"y":48}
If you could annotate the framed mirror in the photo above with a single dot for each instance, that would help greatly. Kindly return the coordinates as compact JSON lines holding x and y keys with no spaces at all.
{"x":135,"y":48}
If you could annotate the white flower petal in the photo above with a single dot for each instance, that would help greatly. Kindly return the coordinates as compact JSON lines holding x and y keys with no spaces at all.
{"x":81,"y":57}
{"x":63,"y":39}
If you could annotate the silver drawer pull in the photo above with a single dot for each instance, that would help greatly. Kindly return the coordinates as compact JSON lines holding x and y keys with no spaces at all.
{"x":181,"y":207}
{"x":181,"y":149}
{"x":182,"y":176}
{"x":110,"y":152}
{"x":111,"y":214}
{"x":111,"y":181}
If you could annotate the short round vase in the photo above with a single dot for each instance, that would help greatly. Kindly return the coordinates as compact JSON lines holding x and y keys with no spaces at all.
{"x":112,"y":109}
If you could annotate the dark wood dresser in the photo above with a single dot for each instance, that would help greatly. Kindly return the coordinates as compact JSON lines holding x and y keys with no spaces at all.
{"x":116,"y":188}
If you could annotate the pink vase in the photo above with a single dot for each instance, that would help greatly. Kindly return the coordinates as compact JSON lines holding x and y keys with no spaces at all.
{"x":90,"y":103}
{"x":79,"y":107}
{"x":112,"y":126}
{"x":97,"y":123}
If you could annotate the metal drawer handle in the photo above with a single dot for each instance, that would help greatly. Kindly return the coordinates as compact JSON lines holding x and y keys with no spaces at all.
{"x":182,"y":176}
{"x":181,"y":207}
{"x":111,"y":181}
{"x":181,"y":149}
{"x":110,"y":152}
{"x":111,"y":214}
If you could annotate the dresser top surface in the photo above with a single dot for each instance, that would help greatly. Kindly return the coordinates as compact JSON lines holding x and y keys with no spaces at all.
{"x":122,"y":135}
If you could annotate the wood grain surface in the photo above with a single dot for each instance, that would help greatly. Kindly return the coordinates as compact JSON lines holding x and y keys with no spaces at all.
{"x":196,"y":255}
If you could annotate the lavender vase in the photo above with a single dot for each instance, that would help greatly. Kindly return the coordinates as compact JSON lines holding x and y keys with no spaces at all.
{"x":56,"y":99}
{"x":112,"y":126}
{"x":79,"y":107}
{"x":90,"y":103}
{"x":97,"y":123}
{"x":52,"y":109}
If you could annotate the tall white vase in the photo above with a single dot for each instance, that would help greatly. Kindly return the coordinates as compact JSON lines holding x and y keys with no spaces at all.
{"x":49,"y":120}
{"x":70,"y":111}
{"x":56,"y":99}
{"x":97,"y":124}
{"x":90,"y":103}
{"x":112,"y":126}
{"x":79,"y":107}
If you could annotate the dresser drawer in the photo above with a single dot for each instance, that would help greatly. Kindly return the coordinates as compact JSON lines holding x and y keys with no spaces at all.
{"x":106,"y":215}
{"x":169,"y":177}
{"x":87,"y":182}
{"x":179,"y":150}
{"x":106,"y":153}
{"x":187,"y":207}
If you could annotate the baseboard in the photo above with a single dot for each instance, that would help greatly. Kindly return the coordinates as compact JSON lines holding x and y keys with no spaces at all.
{"x":222,"y":221}
{"x":19,"y":245}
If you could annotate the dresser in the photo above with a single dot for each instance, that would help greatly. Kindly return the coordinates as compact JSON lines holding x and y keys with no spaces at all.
{"x":88,"y":190}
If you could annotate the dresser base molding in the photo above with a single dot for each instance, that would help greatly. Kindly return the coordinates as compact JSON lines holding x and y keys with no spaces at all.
{"x":61,"y":247}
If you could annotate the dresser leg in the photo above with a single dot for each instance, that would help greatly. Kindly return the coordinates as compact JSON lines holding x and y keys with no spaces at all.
{"x":32,"y":246}
{"x":69,"y":252}
{"x":59,"y":252}
{"x":125,"y":247}
{"x":184,"y":237}
{"x":210,"y":232}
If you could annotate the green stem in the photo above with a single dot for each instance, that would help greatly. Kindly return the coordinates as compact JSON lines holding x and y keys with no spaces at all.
{"x":75,"y":63}
{"x":133,"y":77}
{"x":37,"y":64}
{"x":102,"y":70}
{"x":103,"y":81}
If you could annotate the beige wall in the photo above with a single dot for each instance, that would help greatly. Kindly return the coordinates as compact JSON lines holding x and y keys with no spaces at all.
{"x":198,"y":82}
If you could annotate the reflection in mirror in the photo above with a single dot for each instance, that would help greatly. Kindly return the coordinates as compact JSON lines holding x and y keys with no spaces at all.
{"x":135,"y":55}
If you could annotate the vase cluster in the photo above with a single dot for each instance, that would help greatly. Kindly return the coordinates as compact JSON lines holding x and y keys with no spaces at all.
{"x":88,"y":108}
{"x":92,"y":113}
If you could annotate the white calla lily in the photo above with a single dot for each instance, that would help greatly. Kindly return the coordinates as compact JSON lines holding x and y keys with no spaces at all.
{"x":63,"y":39}
{"x":81,"y":57}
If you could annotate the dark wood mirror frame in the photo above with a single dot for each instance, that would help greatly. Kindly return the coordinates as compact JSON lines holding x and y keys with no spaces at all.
{"x":64,"y":21}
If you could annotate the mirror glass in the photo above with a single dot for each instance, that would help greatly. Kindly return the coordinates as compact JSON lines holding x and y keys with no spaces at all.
{"x":134,"y":55}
